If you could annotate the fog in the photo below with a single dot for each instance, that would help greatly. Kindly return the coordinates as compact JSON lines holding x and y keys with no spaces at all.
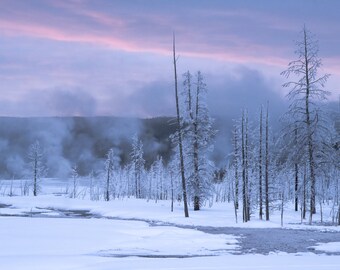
{"x":84,"y":141}
{"x":81,"y":141}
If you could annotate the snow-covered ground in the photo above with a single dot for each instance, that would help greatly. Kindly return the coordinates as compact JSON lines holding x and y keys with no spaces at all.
{"x":46,"y":243}
{"x":35,"y":234}
{"x":328,"y":247}
{"x":219,"y":215}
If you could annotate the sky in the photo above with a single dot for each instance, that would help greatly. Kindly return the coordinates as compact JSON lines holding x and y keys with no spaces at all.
{"x":114,"y":57}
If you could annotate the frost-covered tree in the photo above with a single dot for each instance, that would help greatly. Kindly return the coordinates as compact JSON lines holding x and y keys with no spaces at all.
{"x":197,"y":139}
{"x":173,"y":172}
{"x":111,"y":162}
{"x":158,"y":186}
{"x":251,"y":166}
{"x":245,"y":163}
{"x":94,"y":188}
{"x":37,"y":166}
{"x":137,"y":165}
{"x":260,"y":164}
{"x":240,"y":166}
{"x":74,"y":176}
{"x":236,"y":164}
{"x":306,"y":90}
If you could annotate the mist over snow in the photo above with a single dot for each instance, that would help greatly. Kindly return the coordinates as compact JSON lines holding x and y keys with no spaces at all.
{"x":66,"y":141}
{"x":81,"y":141}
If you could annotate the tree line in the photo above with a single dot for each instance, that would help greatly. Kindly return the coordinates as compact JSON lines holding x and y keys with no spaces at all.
{"x":306,"y":149}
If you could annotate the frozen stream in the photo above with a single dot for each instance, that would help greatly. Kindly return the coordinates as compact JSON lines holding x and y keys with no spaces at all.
{"x":264,"y":241}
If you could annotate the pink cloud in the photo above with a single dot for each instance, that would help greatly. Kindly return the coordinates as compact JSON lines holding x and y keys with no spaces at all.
{"x":88,"y":25}
{"x":79,"y":8}
{"x":131,"y":45}
{"x":43,"y":31}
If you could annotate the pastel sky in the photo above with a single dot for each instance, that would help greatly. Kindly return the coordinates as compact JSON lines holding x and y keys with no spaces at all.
{"x":113,"y":57}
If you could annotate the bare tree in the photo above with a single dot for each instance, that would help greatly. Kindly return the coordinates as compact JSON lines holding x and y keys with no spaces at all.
{"x":266,"y":180}
{"x":179,"y":133}
{"x":296,"y":169}
{"x":244,"y":152}
{"x":303,"y":96}
{"x":236,"y":156}
{"x":260,"y":169}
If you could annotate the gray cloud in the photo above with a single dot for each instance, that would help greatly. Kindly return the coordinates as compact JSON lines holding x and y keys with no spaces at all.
{"x":227,"y":95}
{"x":249,"y":89}
{"x":76,"y":103}
{"x":51,"y":102}
{"x":156,"y":98}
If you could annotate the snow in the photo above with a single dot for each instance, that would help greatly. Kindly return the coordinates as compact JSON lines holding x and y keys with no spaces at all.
{"x":49,"y":243}
{"x":36,"y":235}
{"x":328,"y":247}
{"x":33,"y":239}
{"x":219,"y":215}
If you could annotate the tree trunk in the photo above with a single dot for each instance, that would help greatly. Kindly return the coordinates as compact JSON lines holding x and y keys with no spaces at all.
{"x":107,"y":195}
{"x":234,"y":200}
{"x":260,"y":170}
{"x":244,"y":198}
{"x":248,"y":187}
{"x":337,"y":200}
{"x":304,"y":207}
{"x":296,"y":187}
{"x":236,"y":168}
{"x":136,"y":179}
{"x":267,"y":168}
{"x":172,"y":192}
{"x":282,"y":204}
{"x":196,"y":172}
{"x":35,"y":176}
{"x":179,"y":130}
{"x":244,"y":173}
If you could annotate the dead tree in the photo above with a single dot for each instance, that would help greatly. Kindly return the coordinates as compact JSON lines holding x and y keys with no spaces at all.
{"x":179,"y":132}
{"x":260,"y":170}
{"x":303,"y":110}
{"x":266,"y":180}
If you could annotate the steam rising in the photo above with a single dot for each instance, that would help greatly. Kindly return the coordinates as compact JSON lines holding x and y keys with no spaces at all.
{"x":75,"y":140}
